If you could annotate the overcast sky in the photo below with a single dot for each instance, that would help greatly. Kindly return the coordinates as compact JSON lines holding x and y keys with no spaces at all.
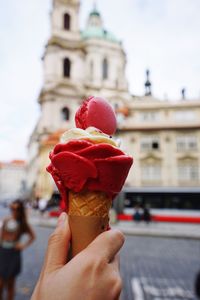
{"x":162,"y":35}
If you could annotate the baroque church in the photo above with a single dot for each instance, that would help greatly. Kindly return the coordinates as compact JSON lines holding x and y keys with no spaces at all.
{"x":77,"y":64}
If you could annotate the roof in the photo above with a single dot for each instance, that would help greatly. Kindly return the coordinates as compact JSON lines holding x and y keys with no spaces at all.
{"x":15,"y":162}
{"x":99,"y":33}
{"x":18,"y":162}
{"x":53,"y":138}
{"x":95,"y":12}
{"x":95,"y":28}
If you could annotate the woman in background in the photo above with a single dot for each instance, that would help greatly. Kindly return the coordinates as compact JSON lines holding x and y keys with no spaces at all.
{"x":12,"y":230}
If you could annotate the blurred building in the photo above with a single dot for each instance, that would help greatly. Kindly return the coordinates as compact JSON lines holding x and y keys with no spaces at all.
{"x":163,"y":137}
{"x":12,"y":180}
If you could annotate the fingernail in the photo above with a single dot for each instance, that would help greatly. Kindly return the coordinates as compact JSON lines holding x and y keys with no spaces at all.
{"x":61,"y":219}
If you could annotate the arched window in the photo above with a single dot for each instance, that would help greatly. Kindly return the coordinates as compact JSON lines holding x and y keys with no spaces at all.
{"x":66,"y":67}
{"x":65,"y":114}
{"x":66,"y":20}
{"x":105,"y":68}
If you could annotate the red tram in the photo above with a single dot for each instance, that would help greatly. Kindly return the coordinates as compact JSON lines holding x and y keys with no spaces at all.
{"x":166,"y":204}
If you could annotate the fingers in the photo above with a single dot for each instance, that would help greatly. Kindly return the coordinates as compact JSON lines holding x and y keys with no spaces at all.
{"x":107,"y":244}
{"x":56,"y":255}
{"x":116,"y":263}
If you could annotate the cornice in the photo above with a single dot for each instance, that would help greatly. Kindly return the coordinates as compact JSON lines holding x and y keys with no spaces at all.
{"x":166,"y":127}
{"x":65,"y":43}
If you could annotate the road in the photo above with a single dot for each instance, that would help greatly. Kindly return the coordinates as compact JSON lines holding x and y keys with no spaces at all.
{"x":151,"y":268}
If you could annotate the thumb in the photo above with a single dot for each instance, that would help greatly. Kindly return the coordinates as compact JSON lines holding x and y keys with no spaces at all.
{"x":58,"y":245}
{"x":107,"y":245}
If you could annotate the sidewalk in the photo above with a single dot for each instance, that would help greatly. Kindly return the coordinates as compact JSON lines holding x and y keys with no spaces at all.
{"x":158,"y":229}
{"x":154,"y":229}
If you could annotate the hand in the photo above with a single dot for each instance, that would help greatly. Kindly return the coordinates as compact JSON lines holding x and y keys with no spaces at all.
{"x":93,"y":274}
{"x":19,"y":247}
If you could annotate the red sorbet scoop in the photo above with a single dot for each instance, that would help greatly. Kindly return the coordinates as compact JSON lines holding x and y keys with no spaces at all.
{"x":96,"y":112}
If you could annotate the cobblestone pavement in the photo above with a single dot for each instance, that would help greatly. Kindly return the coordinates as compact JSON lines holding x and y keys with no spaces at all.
{"x":152,"y":268}
{"x":157,"y":268}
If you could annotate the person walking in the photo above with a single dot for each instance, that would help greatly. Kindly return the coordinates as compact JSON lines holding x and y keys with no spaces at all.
{"x":137,"y":216}
{"x":146,"y":214}
{"x":13,"y":228}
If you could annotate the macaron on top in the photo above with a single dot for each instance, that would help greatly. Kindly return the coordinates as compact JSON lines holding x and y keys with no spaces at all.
{"x":96,"y":112}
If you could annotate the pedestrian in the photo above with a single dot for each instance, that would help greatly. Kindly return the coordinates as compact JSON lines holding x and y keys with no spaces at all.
{"x":137,"y":216}
{"x":13,"y":228}
{"x":146,"y":214}
{"x":42,"y":204}
{"x":92,"y":274}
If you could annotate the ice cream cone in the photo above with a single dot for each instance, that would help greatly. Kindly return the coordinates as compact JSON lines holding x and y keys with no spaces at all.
{"x":88,"y":159}
{"x":88,"y":217}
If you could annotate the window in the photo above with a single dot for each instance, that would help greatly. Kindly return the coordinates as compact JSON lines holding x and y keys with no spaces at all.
{"x":105,"y":69}
{"x":151,"y":172}
{"x":186,"y":143}
{"x":65,"y":114}
{"x":149,"y":116}
{"x":184,"y":115}
{"x":150,"y":143}
{"x":66,"y":21}
{"x":66,"y":67}
{"x":188,"y":171}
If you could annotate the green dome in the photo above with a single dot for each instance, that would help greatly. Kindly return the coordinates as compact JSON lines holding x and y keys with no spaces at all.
{"x":99,"y":33}
{"x":94,"y":13}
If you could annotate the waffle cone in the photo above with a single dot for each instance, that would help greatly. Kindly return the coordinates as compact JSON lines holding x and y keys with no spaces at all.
{"x":89,"y":204}
{"x":88,"y":217}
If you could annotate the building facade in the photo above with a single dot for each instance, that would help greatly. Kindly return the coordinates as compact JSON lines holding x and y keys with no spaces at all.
{"x":163,"y":137}
{"x":12,"y":180}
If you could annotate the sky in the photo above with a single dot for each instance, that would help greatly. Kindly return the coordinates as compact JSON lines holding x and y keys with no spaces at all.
{"x":161,"y":35}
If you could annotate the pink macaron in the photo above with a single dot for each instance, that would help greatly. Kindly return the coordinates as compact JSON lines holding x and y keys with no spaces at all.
{"x":96,"y":112}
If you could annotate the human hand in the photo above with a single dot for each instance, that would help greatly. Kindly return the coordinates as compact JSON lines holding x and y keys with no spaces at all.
{"x":93,"y":274}
{"x":19,"y":247}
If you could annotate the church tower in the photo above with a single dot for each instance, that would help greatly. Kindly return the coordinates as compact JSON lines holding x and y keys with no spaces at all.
{"x":76,"y":64}
{"x":62,"y":85}
{"x":105,"y":61}
{"x":62,"y":62}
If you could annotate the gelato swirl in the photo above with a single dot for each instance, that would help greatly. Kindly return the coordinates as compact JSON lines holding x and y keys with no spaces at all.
{"x":88,"y":160}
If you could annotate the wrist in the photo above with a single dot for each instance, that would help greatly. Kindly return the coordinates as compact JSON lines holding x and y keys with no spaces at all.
{"x":20,"y":247}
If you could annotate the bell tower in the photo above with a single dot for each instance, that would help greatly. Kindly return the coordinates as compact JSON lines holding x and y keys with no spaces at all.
{"x":62,"y":62}
{"x":61,"y":53}
{"x":62,"y":89}
{"x":65,"y":19}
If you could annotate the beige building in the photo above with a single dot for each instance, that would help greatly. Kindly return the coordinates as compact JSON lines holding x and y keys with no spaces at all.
{"x":164,"y":139}
{"x":12,"y":180}
{"x":162,"y":136}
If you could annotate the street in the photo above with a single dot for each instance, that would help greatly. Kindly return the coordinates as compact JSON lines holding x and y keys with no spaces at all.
{"x":152,"y":268}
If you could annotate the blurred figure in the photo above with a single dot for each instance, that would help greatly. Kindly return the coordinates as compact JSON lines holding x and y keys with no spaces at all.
{"x":13,"y":228}
{"x":42,"y":204}
{"x":197,"y":285}
{"x":137,"y":216}
{"x":146,"y":214}
{"x":35,"y":203}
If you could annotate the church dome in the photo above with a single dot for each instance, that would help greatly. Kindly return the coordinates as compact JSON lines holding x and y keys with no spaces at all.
{"x":99,"y":33}
{"x":95,"y":28}
{"x":95,"y":12}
